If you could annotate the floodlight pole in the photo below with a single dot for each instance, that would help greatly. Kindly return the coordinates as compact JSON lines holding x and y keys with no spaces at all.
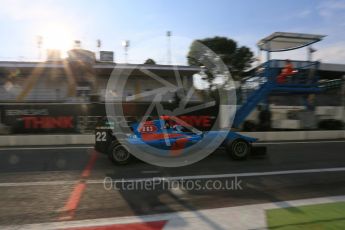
{"x":99,"y":45}
{"x":125,"y":45}
{"x":39,"y":46}
{"x":168,"y":34}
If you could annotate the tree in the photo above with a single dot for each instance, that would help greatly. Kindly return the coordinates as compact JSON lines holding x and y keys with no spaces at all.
{"x":237,"y":59}
{"x":242,"y":59}
{"x":150,"y":61}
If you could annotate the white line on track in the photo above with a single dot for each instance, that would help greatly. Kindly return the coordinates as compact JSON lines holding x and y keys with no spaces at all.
{"x":214,"y":176}
{"x":298,"y":142}
{"x":46,"y":148}
{"x":38,"y":183}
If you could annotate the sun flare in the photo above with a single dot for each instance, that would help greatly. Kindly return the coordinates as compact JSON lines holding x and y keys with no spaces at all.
{"x":57,"y":36}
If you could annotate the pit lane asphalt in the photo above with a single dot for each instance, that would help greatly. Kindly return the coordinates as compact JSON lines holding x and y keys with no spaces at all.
{"x":36,"y":182}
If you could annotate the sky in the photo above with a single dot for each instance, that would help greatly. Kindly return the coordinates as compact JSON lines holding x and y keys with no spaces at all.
{"x":145,"y":22}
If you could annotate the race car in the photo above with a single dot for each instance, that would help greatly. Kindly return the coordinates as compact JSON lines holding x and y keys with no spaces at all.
{"x":154,"y":133}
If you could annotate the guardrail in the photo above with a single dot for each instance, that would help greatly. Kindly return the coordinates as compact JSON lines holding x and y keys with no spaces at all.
{"x":80,"y":139}
{"x":61,"y":139}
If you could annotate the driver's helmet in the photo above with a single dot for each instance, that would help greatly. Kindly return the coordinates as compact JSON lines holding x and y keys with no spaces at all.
{"x":168,"y":123}
{"x":178,"y":127}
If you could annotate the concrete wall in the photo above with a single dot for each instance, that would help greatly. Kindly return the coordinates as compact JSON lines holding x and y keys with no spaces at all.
{"x":32,"y":140}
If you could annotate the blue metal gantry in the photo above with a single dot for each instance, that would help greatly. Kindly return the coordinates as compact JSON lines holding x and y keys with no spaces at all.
{"x":304,"y":81}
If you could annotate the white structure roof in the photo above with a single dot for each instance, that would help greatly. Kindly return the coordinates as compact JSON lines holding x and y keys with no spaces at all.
{"x":281,"y":41}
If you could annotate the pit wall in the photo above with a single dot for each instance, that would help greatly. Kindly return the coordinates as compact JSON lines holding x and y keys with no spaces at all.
{"x":287,"y":117}
{"x":72,"y":139}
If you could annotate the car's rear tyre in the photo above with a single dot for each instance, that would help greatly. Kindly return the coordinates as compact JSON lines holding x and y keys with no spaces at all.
{"x":118,"y":153}
{"x":239,"y":149}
